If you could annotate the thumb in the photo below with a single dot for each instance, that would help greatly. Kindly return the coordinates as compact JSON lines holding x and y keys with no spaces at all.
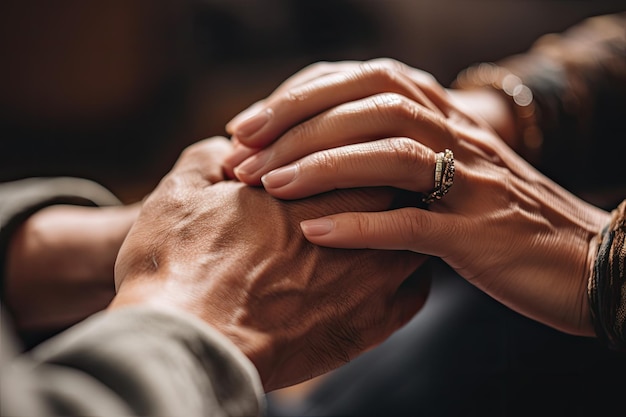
{"x":205,"y":157}
{"x":406,"y":228}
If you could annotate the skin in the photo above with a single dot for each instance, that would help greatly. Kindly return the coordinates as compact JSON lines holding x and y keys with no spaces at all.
{"x":56,"y":274}
{"x":235,"y":257}
{"x":503,"y":226}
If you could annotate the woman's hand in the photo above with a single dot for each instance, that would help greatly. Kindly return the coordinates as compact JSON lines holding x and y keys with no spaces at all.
{"x":503,"y":226}
{"x":320,"y":88}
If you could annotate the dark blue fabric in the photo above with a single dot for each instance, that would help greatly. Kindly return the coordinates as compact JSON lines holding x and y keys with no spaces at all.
{"x":465,"y":354}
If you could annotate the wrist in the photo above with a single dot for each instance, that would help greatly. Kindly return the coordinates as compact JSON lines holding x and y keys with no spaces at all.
{"x":74,"y":241}
{"x":169,"y":290}
{"x":59,"y":264}
{"x":607,"y":281}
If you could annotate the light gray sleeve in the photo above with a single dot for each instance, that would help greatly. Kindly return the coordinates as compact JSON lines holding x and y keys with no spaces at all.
{"x":26,"y":195}
{"x":128,"y":362}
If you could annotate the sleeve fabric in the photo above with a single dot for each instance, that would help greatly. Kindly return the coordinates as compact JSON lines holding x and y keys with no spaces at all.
{"x":22,"y":198}
{"x":130,"y":362}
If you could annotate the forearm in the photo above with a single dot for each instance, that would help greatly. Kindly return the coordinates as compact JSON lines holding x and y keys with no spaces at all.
{"x":68,"y":251}
{"x":20,"y":200}
{"x":58,"y":241}
{"x":73,"y":241}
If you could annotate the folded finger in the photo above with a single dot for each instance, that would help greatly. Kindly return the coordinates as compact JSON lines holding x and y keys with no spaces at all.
{"x":396,"y":162}
{"x":372,"y":118}
{"x":301,"y":102}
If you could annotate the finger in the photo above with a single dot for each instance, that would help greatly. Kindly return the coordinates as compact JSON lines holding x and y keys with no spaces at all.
{"x":242,"y":152}
{"x":408,"y":228}
{"x":301,"y":102}
{"x":380,"y":116}
{"x":396,"y":162}
{"x":205,"y":159}
{"x":429,"y":85}
{"x":238,"y":154}
{"x":245,"y":114}
{"x":308,"y":73}
{"x":316,"y":70}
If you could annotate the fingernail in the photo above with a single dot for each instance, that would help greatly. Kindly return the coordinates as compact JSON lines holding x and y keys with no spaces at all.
{"x":317,"y":227}
{"x":279,"y":177}
{"x":253,"y":164}
{"x":253,"y":123}
{"x":239,"y":154}
{"x":250,"y":111}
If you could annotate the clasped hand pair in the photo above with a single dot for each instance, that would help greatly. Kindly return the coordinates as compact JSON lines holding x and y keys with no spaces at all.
{"x":503,"y":226}
{"x":235,"y":257}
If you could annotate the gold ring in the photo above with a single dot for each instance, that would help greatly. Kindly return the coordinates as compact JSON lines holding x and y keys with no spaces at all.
{"x":444,"y":176}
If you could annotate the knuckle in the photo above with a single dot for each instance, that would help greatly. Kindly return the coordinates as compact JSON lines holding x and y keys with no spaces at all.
{"x":427,"y":79}
{"x":188,"y":152}
{"x":302,"y":133}
{"x":381,"y":72}
{"x":412,"y":226}
{"x":296,"y":95}
{"x":405,"y":152}
{"x":363,"y":226}
{"x":398,"y":107}
{"x":319,"y":67}
{"x":388,"y":63}
{"x":325,"y":162}
{"x":198,"y":150}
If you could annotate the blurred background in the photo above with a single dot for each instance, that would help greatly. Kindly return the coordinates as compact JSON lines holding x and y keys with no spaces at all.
{"x":114,"y":90}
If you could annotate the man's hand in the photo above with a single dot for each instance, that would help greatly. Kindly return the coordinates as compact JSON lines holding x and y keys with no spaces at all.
{"x":235,"y":257}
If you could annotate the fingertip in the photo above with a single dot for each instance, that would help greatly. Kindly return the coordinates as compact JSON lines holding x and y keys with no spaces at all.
{"x":238,"y":154}
{"x":317,"y":227}
{"x":280,"y":177}
{"x":332,"y":231}
{"x":232,"y":125}
{"x":249,"y":126}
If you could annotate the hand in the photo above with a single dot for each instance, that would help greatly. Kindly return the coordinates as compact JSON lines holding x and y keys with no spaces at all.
{"x":318,"y":90}
{"x":59,"y":266}
{"x":322,"y":86}
{"x":503,"y":226}
{"x":235,"y":257}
